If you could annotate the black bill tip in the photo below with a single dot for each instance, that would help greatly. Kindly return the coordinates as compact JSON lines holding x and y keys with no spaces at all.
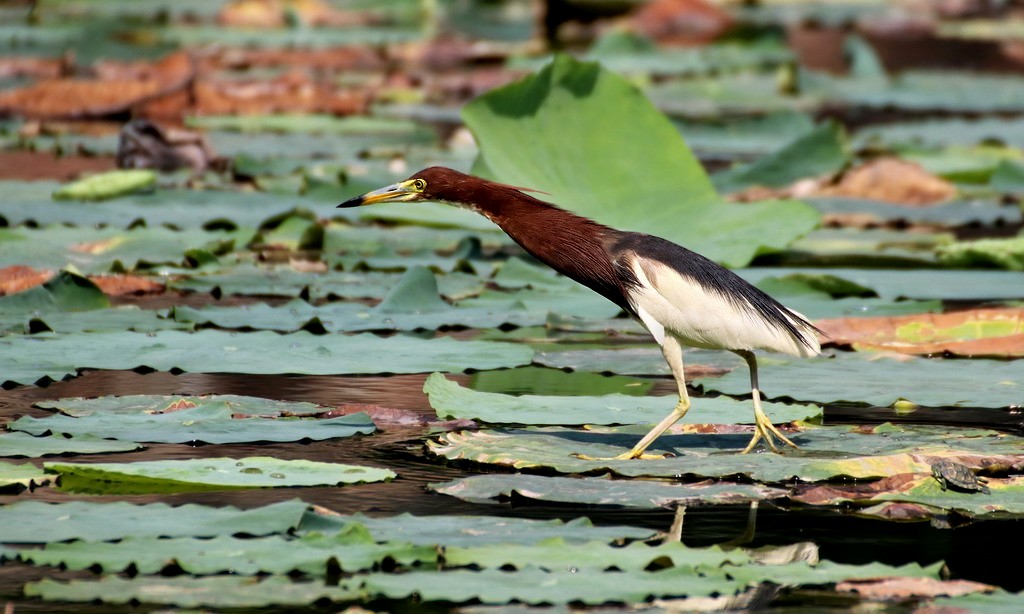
{"x":352,"y":202}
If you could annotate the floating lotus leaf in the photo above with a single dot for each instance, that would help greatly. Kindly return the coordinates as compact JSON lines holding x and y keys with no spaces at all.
{"x":93,"y":250}
{"x":250,"y":280}
{"x":212,"y":351}
{"x":208,"y":474}
{"x":825,"y":452}
{"x":189,"y":592}
{"x":820,"y":152}
{"x":352,"y":549}
{"x":644,"y":494}
{"x":211,"y":423}
{"x":452,"y":401}
{"x":80,"y":407}
{"x":882,"y":380}
{"x":469,"y":531}
{"x":555,"y":553}
{"x":917,"y":283}
{"x":23,"y":444}
{"x":18,"y":476}
{"x":35,"y":522}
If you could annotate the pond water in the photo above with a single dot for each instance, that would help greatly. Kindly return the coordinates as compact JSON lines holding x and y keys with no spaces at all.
{"x":840,"y":536}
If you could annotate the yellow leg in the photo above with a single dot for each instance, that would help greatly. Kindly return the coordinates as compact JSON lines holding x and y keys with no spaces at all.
{"x":763,"y":427}
{"x":673,"y":353}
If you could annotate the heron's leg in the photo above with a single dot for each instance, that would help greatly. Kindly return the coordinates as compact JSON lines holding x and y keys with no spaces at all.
{"x":763,"y":426}
{"x":673,"y":353}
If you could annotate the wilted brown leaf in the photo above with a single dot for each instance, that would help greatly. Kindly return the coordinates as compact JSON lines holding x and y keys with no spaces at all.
{"x":124,"y":86}
{"x":124,"y":285}
{"x":680,"y":22}
{"x":974,"y":332}
{"x":18,"y":278}
{"x":892,"y":180}
{"x":899,"y":589}
{"x":293,"y":93}
{"x":40,"y":68}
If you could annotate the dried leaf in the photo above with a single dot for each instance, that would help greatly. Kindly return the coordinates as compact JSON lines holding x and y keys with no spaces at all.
{"x":124,"y":285}
{"x":126,"y":85}
{"x":680,"y":22}
{"x":899,"y":589}
{"x":975,"y":332}
{"x":19,"y":277}
{"x":892,"y":180}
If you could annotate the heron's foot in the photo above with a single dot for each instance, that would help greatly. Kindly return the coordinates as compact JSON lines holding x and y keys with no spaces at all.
{"x":631,"y":455}
{"x":764,"y":429}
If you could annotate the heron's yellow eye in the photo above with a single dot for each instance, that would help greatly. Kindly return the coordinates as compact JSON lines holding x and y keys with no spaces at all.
{"x":419,"y":185}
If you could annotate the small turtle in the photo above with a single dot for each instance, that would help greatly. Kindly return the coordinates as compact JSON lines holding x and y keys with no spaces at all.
{"x":954,"y":475}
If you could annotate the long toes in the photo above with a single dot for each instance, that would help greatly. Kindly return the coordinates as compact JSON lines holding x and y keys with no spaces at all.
{"x":753,"y":441}
{"x":775,"y":431}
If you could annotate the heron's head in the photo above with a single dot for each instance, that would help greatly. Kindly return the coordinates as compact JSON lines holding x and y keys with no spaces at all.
{"x":436,"y":183}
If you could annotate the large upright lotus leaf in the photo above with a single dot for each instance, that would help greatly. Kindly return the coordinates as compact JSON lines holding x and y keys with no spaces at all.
{"x":211,"y":351}
{"x":702,"y":454}
{"x":23,"y":444}
{"x":65,"y":291}
{"x":882,"y":380}
{"x":35,"y":522}
{"x":469,"y":531}
{"x":188,"y":592}
{"x":450,"y":401}
{"x":644,"y":494}
{"x":353,"y":550}
{"x":590,"y":140}
{"x":156,"y":404}
{"x":212,"y":423}
{"x":209,"y":474}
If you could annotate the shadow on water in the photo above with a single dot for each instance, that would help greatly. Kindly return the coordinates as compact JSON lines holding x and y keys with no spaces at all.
{"x":840,"y":536}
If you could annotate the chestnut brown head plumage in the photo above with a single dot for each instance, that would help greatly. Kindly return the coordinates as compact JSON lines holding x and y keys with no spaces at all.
{"x":681,"y":297}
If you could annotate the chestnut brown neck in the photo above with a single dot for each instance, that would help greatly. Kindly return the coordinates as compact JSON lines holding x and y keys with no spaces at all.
{"x":572,"y":245}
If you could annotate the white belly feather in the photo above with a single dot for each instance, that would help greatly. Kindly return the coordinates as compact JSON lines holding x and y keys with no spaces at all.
{"x":673,"y":304}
